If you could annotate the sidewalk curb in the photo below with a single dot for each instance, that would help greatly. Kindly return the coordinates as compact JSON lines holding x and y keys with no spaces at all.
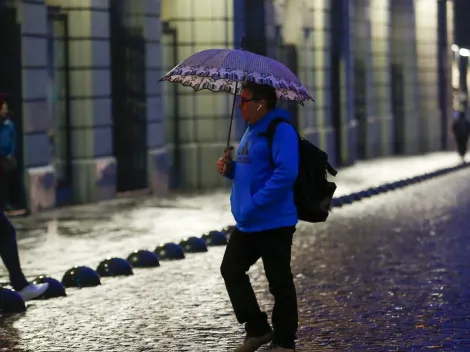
{"x":392,"y":186}
{"x":212,"y":238}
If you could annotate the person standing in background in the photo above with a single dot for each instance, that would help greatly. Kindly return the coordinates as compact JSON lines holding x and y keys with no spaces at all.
{"x":461,"y":130}
{"x":7,"y":152}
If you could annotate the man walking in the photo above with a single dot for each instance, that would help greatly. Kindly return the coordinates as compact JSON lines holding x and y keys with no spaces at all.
{"x":262,"y":204}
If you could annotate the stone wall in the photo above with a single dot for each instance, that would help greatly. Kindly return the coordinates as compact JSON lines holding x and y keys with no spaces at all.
{"x":380,"y":17}
{"x":385,"y":50}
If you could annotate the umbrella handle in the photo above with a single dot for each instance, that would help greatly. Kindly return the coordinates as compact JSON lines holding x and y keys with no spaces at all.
{"x":228,"y":158}
{"x":228,"y":153}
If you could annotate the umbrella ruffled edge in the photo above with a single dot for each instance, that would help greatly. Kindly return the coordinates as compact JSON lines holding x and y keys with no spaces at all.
{"x":205,"y":82}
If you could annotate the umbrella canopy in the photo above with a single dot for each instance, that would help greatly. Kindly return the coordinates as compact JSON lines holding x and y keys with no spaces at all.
{"x":221,"y":70}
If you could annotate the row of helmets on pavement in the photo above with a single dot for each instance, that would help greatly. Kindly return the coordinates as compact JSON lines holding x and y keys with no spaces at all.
{"x":83,"y":276}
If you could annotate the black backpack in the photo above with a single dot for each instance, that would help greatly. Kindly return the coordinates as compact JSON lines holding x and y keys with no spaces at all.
{"x":313,"y":192}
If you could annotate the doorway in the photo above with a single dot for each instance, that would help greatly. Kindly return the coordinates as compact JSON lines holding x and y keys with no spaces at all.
{"x":444,"y":76}
{"x":360,"y":107}
{"x":59,"y":103}
{"x":336,"y":79}
{"x":255,"y":27}
{"x":128,"y":66}
{"x":10,"y":84}
{"x":398,"y":100}
{"x":171,"y":103}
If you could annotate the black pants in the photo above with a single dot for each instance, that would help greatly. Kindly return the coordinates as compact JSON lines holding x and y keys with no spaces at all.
{"x":8,"y":185}
{"x":462,"y":142}
{"x":9,"y":253}
{"x":274,"y":248}
{"x":12,"y":187}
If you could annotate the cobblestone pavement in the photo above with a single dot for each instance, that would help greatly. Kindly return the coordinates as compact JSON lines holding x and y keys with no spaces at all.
{"x":387,"y":274}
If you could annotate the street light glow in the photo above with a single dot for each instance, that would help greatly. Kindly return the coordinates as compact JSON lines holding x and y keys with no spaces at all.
{"x":455,"y":47}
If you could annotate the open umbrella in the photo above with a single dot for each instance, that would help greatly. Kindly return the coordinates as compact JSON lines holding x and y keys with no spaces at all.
{"x":223,"y":70}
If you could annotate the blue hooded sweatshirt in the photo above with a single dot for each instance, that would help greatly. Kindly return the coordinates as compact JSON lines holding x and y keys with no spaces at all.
{"x":7,"y":138}
{"x":262,"y":196}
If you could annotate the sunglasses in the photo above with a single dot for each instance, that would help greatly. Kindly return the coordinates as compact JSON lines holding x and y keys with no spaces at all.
{"x":244,"y":100}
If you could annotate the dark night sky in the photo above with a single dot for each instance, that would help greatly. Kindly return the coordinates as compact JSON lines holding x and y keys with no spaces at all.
{"x":462,"y":23}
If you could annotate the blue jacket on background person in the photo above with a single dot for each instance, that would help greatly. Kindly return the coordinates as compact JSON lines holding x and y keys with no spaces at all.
{"x":7,"y":138}
{"x":262,"y":193}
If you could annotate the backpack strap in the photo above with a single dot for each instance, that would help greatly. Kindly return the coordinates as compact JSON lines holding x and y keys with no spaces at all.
{"x":271,"y":130}
{"x":331,"y":170}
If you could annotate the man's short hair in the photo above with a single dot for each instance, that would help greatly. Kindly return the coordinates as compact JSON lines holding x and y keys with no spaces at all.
{"x":262,"y":92}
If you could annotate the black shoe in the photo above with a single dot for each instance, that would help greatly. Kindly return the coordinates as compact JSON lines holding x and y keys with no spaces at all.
{"x":275,"y":348}
{"x":251,"y":344}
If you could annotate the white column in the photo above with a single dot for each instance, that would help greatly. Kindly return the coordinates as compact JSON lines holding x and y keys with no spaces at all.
{"x":380,"y":41}
{"x":94,"y":166}
{"x":404,"y":60}
{"x":427,"y":59}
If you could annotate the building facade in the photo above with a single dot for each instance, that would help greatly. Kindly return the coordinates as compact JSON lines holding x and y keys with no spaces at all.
{"x":83,"y":76}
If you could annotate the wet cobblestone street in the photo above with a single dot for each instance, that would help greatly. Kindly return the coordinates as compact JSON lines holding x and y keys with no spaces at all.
{"x":390,"y":273}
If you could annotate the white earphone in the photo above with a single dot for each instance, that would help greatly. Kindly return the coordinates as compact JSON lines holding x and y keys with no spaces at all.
{"x":259,"y":107}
